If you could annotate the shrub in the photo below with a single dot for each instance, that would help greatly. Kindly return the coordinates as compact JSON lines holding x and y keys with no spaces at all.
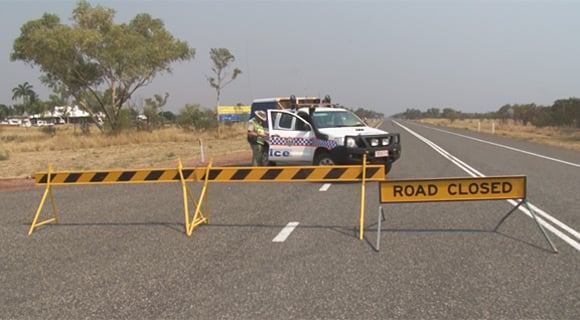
{"x":193,"y":117}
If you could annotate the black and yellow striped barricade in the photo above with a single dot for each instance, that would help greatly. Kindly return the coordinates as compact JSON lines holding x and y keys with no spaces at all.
{"x":457,"y":189}
{"x":205,"y":175}
{"x":363,"y":173}
{"x":103,"y":177}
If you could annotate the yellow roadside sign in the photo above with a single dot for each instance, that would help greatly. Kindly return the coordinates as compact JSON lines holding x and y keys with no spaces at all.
{"x":455,"y":189}
{"x":234,"y":109}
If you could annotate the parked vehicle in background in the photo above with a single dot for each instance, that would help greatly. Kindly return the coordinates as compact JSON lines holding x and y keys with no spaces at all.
{"x":15,"y":122}
{"x":43,"y":123}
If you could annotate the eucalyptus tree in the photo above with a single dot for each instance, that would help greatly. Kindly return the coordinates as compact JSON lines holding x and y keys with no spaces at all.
{"x":221,"y":59}
{"x":94,"y":59}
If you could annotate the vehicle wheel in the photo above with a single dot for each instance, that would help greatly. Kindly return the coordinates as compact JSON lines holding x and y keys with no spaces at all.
{"x":323,"y":159}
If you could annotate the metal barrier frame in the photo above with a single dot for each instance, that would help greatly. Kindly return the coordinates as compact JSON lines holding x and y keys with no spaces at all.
{"x":381,"y":213}
{"x":208,"y":174}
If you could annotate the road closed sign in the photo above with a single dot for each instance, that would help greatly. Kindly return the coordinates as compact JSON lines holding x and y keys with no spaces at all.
{"x":455,"y":189}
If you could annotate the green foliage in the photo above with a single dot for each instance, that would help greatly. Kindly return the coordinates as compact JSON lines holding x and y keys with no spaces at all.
{"x":152,"y":112}
{"x":5,"y":111}
{"x":125,"y":120}
{"x":450,"y":114}
{"x":4,"y":155}
{"x":92,"y":53}
{"x":192,"y":117}
{"x":566,"y":112}
{"x":369,"y":114}
{"x":563,"y":113}
{"x":168,"y":116}
{"x":25,"y":92}
{"x":412,"y":114}
{"x":433,"y":113}
{"x":543,"y":117}
{"x":221,"y":59}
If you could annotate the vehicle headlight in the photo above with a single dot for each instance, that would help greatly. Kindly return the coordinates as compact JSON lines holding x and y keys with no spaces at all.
{"x":350,"y":142}
{"x":385,"y":141}
{"x":374,"y":142}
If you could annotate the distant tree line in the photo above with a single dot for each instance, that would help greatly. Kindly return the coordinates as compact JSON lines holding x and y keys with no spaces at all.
{"x":369,"y":114}
{"x":563,"y":113}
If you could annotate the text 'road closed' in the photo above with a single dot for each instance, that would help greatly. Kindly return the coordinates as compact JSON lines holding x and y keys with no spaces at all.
{"x":457,"y":189}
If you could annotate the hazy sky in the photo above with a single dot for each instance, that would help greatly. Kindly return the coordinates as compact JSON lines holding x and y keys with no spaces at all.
{"x":473,"y":56}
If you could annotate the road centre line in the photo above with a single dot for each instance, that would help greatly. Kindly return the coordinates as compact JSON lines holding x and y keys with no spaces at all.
{"x":325,"y":187}
{"x":285,"y":232}
{"x":474,"y":173}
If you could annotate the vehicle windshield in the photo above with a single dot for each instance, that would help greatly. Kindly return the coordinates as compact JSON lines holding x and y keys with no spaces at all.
{"x":336,"y":119}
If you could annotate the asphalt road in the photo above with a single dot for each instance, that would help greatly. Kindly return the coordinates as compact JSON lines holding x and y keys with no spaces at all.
{"x":120,"y":251}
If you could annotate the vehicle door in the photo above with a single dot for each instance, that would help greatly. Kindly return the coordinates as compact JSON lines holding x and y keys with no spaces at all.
{"x":290,"y":137}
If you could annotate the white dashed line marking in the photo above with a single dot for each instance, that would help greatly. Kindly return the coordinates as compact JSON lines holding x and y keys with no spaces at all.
{"x":281,"y":237}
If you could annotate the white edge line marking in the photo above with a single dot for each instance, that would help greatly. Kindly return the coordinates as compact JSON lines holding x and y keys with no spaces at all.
{"x":474,"y":173}
{"x":325,"y":187}
{"x":507,"y":147}
{"x":285,"y":232}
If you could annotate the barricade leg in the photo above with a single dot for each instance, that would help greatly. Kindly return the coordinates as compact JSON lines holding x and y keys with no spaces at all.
{"x":540,"y":226}
{"x":198,"y":216}
{"x":380,"y":218}
{"x":507,"y":215}
{"x":533,"y":214}
{"x":362,"y":198}
{"x":47,"y":192}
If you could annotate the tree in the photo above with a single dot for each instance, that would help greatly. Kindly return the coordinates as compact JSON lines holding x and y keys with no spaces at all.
{"x":543,"y":117}
{"x":4,"y":111}
{"x":221,"y":59}
{"x":505,"y":113}
{"x":95,"y":58}
{"x":433,"y":113}
{"x":152,"y":110}
{"x":168,"y":116}
{"x":194,"y":117}
{"x":25,"y":92}
{"x":412,"y":113}
{"x":566,"y":112}
{"x":450,"y":114}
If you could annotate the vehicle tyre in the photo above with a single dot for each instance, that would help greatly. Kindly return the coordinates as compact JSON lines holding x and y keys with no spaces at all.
{"x":323,"y":159}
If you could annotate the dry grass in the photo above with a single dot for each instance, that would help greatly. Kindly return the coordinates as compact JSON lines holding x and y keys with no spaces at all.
{"x":24,"y":151}
{"x":558,"y":137}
